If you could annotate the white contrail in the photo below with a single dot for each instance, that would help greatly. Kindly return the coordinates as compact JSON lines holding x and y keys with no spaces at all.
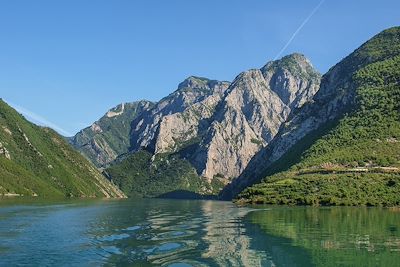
{"x":299,"y":29}
{"x":32,"y":116}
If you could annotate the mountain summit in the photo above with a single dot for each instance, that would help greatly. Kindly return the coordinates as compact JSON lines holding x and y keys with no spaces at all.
{"x":217,"y":127}
{"x":281,"y":134}
{"x":343,"y":148}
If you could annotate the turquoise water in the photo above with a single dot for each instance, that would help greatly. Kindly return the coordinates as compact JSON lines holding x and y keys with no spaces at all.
{"x":177,"y":233}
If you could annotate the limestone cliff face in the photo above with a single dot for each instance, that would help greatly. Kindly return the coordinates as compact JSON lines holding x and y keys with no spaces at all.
{"x":223,"y":124}
{"x":176,"y":130}
{"x":175,"y":119}
{"x":247,"y":119}
{"x":255,"y":106}
{"x":217,"y":126}
{"x":109,"y":137}
{"x":335,"y":97}
{"x":293,"y":78}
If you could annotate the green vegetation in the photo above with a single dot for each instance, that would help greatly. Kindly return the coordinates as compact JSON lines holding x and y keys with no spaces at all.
{"x":367,"y":138}
{"x":217,"y":183}
{"x":41,"y":163}
{"x":367,"y":189}
{"x":141,"y":175}
{"x":256,"y":141}
{"x":114,"y":136}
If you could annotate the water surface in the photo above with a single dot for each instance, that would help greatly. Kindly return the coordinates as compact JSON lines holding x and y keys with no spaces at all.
{"x":177,"y":233}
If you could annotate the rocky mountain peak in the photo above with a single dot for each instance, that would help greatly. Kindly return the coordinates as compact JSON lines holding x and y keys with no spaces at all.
{"x":293,"y":78}
{"x":336,"y":97}
{"x":107,"y":138}
{"x":246,"y":119}
{"x":296,"y":63}
{"x":116,"y":111}
{"x":192,"y":90}
{"x":194,"y":82}
{"x":222,"y":124}
{"x":217,"y":126}
{"x":194,"y":99}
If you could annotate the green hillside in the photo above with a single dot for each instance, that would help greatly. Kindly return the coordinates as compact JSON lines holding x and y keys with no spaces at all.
{"x":357,"y":161}
{"x":36,"y":161}
{"x":141,"y":175}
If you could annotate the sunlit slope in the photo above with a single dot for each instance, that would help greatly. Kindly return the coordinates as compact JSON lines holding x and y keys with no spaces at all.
{"x":36,"y":161}
{"x":356,"y":161}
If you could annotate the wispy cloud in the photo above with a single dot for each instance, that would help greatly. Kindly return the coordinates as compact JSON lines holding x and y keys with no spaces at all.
{"x":299,"y":29}
{"x":35,"y":118}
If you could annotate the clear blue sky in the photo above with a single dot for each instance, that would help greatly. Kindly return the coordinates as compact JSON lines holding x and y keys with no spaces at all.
{"x":65,"y":63}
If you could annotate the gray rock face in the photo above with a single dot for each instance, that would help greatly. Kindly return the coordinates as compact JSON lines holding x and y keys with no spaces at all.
{"x":335,"y":96}
{"x":255,"y":106}
{"x":175,"y":119}
{"x":217,"y":126}
{"x":226,"y":126}
{"x":247,"y":119}
{"x":177,"y":129}
{"x":109,"y":137}
{"x":293,"y":78}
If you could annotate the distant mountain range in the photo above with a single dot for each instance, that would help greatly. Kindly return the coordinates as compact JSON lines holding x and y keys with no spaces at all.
{"x":227,"y":136}
{"x":213,"y":128}
{"x":282,"y":134}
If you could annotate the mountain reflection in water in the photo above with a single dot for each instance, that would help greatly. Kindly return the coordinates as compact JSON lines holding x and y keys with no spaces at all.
{"x":176,"y":233}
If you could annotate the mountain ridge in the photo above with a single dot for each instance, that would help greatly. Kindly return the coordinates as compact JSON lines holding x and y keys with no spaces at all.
{"x":229,"y":136}
{"x":349,"y":92}
{"x":202,"y":120}
{"x":108,"y":137}
{"x":36,"y":161}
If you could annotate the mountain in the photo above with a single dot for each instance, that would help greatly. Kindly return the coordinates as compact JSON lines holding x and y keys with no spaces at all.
{"x":177,"y":118}
{"x":211,"y":129}
{"x":109,"y":137}
{"x":251,"y":113}
{"x":36,"y":161}
{"x":162,"y":135}
{"x":306,"y":137}
{"x":343,"y":147}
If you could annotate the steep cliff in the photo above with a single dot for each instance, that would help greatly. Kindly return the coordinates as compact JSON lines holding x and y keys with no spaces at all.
{"x":109,"y":137}
{"x":176,"y":118}
{"x":218,"y":127}
{"x":251,"y":113}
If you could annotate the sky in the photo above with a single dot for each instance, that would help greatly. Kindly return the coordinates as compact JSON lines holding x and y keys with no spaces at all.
{"x":65,"y":63}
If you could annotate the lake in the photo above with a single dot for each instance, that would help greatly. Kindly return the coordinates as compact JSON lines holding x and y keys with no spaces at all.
{"x":179,"y":233}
